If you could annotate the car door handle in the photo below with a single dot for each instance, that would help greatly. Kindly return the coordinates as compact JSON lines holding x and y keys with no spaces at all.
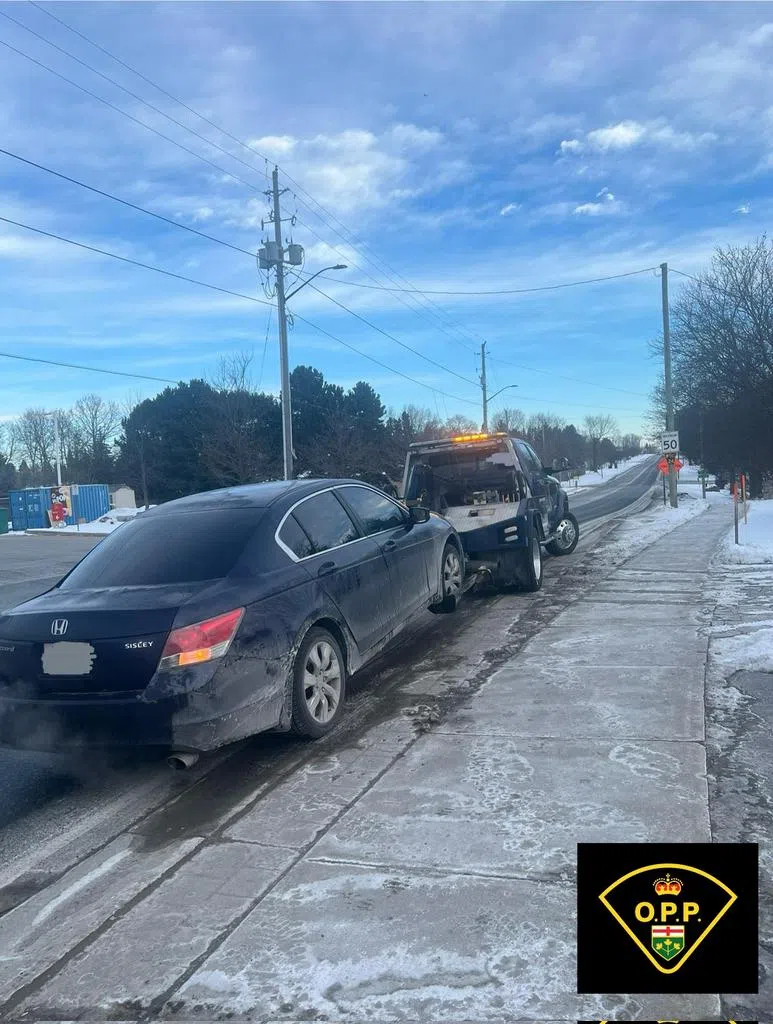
{"x":326,"y":568}
{"x":390,"y":545}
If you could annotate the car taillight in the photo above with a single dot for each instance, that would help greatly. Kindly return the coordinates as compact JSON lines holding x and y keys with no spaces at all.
{"x":203,"y":641}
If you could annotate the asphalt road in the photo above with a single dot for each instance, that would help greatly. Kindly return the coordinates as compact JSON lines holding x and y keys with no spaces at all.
{"x":621,"y":491}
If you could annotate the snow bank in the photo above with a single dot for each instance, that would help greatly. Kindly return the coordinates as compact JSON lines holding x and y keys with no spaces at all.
{"x":755,"y":536}
{"x":606,"y":474}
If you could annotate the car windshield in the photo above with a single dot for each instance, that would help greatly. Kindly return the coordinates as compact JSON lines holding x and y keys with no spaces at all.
{"x":465,"y":475}
{"x":186,"y":547}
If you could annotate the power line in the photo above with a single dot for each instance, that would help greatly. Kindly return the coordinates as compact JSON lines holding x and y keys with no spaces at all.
{"x":211,"y":238}
{"x":79,"y":366}
{"x":511,"y":291}
{"x":125,"y":202}
{"x":386,"y":334}
{"x":563,"y":376}
{"x":227,"y":291}
{"x":225,"y":132}
{"x":134,"y":263}
{"x":410,"y":291}
{"x":125,"y":113}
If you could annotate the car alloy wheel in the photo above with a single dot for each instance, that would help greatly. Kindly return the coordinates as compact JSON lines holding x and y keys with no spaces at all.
{"x":322,"y":681}
{"x":452,"y":573}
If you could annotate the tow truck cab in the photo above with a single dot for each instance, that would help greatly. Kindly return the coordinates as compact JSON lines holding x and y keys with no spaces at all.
{"x":503,"y":503}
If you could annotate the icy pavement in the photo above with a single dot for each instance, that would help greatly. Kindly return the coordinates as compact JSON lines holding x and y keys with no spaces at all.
{"x":740,"y":715}
{"x":420,"y":876}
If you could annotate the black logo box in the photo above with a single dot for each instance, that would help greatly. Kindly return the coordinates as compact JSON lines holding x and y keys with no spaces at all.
{"x":609,"y":960}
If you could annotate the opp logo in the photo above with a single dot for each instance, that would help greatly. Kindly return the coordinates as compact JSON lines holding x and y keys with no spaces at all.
{"x":667,"y":929}
{"x":689,"y":911}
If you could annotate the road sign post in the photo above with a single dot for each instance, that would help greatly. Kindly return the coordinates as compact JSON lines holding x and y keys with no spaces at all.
{"x":735,"y":508}
{"x":669,"y":446}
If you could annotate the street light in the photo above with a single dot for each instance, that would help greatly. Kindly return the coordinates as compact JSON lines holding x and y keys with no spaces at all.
{"x":338,"y":266}
{"x":492,"y":397}
{"x":55,"y":417}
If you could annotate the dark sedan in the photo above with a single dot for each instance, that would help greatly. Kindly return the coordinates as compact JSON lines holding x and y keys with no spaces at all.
{"x":221,"y":615}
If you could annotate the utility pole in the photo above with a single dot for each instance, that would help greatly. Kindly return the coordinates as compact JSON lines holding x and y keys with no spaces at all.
{"x":668,"y":382}
{"x":284,"y":361}
{"x":484,"y":386}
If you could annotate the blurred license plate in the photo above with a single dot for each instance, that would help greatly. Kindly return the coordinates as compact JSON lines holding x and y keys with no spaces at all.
{"x":67,"y":659}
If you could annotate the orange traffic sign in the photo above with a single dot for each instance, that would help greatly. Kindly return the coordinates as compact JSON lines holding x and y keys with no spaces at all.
{"x":663,"y":465}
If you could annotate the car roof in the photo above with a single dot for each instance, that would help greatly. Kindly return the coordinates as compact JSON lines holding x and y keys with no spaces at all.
{"x":248,"y":495}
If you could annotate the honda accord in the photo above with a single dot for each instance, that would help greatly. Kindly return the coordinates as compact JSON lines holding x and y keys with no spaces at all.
{"x":220,"y":615}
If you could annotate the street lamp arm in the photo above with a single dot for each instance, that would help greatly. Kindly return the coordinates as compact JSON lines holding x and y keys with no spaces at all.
{"x":338,"y":266}
{"x":492,"y":397}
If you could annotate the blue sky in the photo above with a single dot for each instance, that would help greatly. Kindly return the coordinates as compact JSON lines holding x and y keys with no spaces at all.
{"x":468,"y":147}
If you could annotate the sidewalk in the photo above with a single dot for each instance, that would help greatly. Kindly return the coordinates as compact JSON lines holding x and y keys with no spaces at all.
{"x":415,"y":878}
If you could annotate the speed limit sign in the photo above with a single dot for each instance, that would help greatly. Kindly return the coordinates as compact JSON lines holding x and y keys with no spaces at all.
{"x":669,"y":443}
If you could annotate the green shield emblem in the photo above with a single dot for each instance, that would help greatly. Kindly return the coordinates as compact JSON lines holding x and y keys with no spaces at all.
{"x":668,"y":940}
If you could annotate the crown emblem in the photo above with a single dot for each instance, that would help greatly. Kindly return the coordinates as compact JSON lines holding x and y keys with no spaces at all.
{"x":668,"y":886}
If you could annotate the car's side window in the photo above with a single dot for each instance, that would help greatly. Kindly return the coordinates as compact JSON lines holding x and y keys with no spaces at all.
{"x":325,"y":521}
{"x":535,"y":458}
{"x":294,"y":537}
{"x":528,"y":459}
{"x":375,"y":511}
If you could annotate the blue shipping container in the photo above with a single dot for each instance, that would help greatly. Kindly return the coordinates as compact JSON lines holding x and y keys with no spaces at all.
{"x":30,"y":507}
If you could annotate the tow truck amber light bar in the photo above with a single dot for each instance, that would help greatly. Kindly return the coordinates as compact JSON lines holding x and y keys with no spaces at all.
{"x":203,"y":641}
{"x":461,"y":438}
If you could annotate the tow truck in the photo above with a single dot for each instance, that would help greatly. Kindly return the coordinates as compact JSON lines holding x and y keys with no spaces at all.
{"x":505,"y":505}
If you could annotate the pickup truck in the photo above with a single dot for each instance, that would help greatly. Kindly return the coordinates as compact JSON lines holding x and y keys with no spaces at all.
{"x":503,"y":502}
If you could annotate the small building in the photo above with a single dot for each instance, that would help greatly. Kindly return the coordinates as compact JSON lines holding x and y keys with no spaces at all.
{"x":122,"y":496}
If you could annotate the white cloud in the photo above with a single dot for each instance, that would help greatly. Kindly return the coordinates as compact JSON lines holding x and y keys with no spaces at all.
{"x":626,"y":134}
{"x":273,"y":145}
{"x":605,"y":204}
{"x":743,"y":209}
{"x":617,"y":136}
{"x":509,"y":208}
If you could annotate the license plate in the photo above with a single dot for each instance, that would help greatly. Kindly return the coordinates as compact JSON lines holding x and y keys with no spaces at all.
{"x":67,"y":659}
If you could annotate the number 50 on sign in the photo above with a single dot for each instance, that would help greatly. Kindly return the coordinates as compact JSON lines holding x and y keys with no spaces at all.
{"x":669,"y":443}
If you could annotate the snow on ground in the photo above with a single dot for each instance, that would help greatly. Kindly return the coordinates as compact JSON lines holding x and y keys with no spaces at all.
{"x":742,"y":638}
{"x":755,"y":536}
{"x":105,"y":524}
{"x":604,"y":475}
{"x":636,"y":533}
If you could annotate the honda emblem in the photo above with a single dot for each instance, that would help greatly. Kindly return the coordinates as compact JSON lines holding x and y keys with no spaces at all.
{"x":58,"y":627}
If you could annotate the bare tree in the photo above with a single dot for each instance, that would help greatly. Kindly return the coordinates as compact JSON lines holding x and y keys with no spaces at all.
{"x":239,"y":447}
{"x":458,"y":424}
{"x":510,"y":420}
{"x":34,"y":439}
{"x":596,"y":428}
{"x":7,"y":442}
{"x":93,"y":424}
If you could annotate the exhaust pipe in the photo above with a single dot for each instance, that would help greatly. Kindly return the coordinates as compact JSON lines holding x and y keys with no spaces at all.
{"x":181,"y":759}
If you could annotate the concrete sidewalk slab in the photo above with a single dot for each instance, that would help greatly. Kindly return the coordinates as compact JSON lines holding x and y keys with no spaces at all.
{"x":518,"y":807}
{"x":350,"y":943}
{"x":589,"y":701}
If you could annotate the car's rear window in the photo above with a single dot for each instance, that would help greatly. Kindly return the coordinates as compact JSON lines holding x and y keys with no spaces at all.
{"x":186,"y":547}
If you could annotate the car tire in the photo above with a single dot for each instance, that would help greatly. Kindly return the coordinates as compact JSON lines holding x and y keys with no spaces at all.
{"x":567,"y":536}
{"x":451,"y":580}
{"x":531,"y":566}
{"x":319,"y":685}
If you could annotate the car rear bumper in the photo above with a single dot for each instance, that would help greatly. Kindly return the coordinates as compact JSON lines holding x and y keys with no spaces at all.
{"x":194,"y":720}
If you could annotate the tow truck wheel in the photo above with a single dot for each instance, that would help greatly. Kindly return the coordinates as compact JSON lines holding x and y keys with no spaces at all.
{"x":530,"y":569}
{"x":566,"y":537}
{"x":451,"y":576}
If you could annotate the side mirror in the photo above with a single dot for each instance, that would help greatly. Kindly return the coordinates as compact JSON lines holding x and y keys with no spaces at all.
{"x":417,"y":514}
